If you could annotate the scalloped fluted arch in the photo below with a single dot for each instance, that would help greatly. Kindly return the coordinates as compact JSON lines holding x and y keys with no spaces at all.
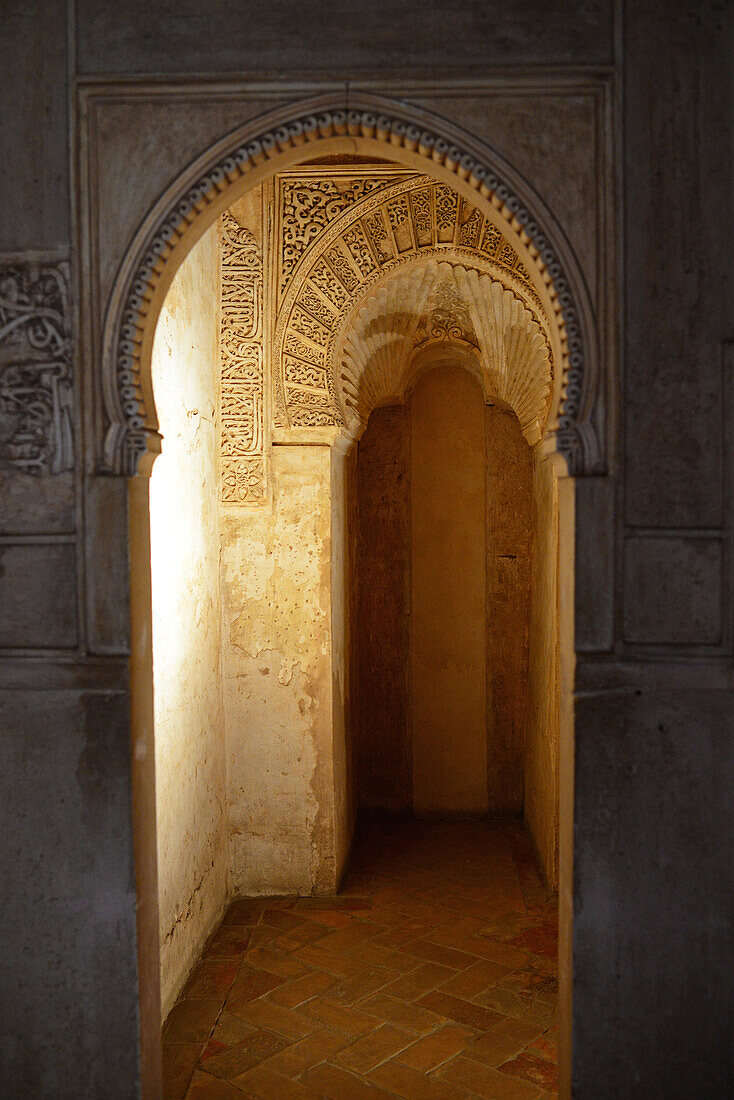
{"x":302,"y":131}
{"x":383,"y":332}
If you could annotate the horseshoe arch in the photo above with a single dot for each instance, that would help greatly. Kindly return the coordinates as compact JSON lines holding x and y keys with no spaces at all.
{"x":368,"y":125}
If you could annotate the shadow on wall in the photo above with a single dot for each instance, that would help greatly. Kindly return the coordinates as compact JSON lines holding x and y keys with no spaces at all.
{"x":456,"y":617}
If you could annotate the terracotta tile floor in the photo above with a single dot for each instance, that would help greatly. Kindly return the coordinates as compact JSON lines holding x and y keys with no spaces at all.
{"x":432,"y":976}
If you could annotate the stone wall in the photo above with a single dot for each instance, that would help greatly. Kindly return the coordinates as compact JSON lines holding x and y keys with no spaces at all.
{"x":384,"y":742}
{"x":510,"y":547}
{"x":186,"y":603}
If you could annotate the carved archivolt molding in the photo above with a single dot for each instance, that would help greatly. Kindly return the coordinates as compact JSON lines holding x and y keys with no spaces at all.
{"x":35,"y":366}
{"x":376,"y":230}
{"x":132,"y":424}
{"x":242,"y":454}
{"x":516,"y":359}
{"x":435,"y":304}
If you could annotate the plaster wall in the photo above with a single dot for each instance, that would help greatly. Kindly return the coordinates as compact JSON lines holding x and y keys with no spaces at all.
{"x":541,"y":743}
{"x":448,"y":643}
{"x":383,"y":733}
{"x":184,"y":521}
{"x":387,"y":515}
{"x":343,"y":561}
{"x":510,"y":544}
{"x":277,"y":668}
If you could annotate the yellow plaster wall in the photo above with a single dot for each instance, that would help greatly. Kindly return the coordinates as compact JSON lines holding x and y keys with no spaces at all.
{"x":343,"y":535}
{"x":542,"y":738}
{"x":189,"y":748}
{"x":448,"y":644}
{"x":277,"y":681}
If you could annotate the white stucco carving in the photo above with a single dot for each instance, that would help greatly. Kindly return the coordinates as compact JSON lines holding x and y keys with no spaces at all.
{"x":405,"y":314}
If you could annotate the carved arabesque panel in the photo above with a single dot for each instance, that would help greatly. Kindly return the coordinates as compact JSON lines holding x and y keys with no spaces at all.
{"x":36,"y":434}
{"x":242,"y":379}
{"x":309,"y":202}
{"x":399,"y":220}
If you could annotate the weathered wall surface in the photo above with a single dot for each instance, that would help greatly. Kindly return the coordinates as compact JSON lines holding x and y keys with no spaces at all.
{"x":277,"y":681}
{"x":541,"y":738}
{"x":184,"y":520}
{"x":655,"y":762}
{"x":387,"y":597}
{"x":448,"y":601}
{"x":35,"y":202}
{"x":70,"y":780}
{"x":137,"y":38}
{"x":653,"y":725}
{"x":509,"y":544}
{"x":383,"y":734}
{"x":343,"y":537}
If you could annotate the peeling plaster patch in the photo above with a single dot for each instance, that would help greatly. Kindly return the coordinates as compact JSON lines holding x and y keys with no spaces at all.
{"x":276,"y":662}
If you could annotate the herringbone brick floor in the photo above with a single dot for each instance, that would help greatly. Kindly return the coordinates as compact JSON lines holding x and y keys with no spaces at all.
{"x":432,"y":976}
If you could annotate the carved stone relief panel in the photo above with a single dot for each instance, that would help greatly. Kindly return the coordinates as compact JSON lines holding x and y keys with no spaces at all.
{"x":333,"y":276}
{"x":242,"y":378}
{"x":35,"y":366}
{"x":339,"y":232}
{"x":308,"y":203}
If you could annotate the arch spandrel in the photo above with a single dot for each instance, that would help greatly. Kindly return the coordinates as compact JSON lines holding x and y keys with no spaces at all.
{"x":400,"y":221}
{"x":373,"y":127}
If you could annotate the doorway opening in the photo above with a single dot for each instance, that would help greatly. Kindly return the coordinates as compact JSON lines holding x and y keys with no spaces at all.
{"x":361,"y":568}
{"x":444,"y":575}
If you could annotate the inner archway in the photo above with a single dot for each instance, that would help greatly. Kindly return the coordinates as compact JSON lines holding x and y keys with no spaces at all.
{"x":444,"y":572}
{"x":304,"y":445}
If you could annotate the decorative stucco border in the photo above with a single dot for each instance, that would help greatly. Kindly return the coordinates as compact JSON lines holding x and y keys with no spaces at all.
{"x":36,"y":384}
{"x":131,"y":430}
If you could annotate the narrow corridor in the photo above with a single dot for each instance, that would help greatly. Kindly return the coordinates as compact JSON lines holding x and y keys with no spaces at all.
{"x":432,"y":976}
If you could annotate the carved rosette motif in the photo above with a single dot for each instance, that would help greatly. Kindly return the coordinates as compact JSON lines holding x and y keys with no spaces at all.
{"x":408,"y":218}
{"x":35,"y":367}
{"x":129,"y":431}
{"x":241,"y":360}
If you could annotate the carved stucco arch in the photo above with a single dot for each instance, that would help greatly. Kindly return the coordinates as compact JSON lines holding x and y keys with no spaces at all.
{"x":433,"y":304}
{"x":367,"y":125}
{"x":413,"y":221}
